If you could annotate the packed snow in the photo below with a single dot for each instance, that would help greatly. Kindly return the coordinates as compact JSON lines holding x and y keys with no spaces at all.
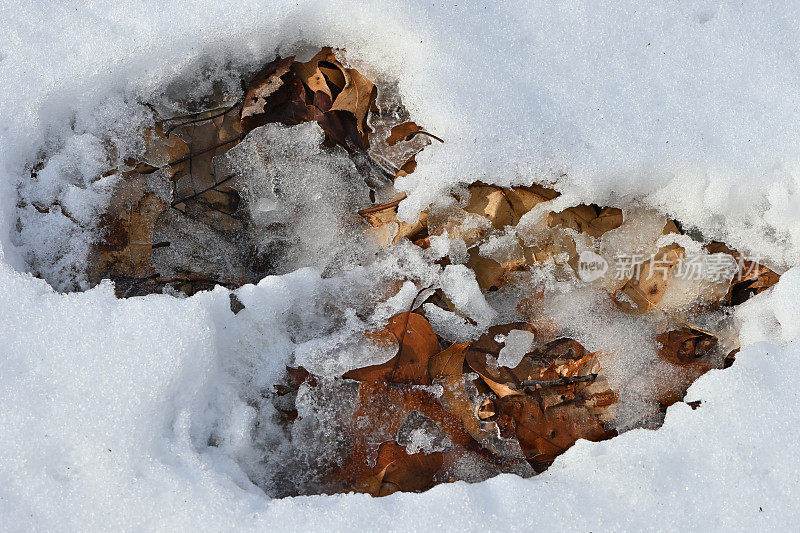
{"x":146,"y":412}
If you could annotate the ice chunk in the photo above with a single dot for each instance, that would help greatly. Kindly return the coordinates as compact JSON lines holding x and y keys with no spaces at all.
{"x":517,"y":344}
{"x":459,"y":284}
{"x":303,"y":197}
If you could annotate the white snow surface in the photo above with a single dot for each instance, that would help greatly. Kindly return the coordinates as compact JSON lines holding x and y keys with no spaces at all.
{"x":107,"y":405}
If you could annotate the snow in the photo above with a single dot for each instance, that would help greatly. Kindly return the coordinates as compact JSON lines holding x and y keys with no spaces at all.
{"x":107,"y":406}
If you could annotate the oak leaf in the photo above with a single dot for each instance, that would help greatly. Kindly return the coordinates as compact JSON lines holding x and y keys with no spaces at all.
{"x":417,"y":343}
{"x":681,"y":348}
{"x":397,"y":470}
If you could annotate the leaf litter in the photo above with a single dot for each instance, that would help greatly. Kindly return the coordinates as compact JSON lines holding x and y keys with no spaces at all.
{"x":499,"y":379}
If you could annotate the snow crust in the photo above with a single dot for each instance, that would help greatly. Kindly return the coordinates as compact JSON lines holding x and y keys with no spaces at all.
{"x":108,"y":407}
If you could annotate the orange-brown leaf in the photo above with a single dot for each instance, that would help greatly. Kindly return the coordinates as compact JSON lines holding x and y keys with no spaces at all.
{"x":681,"y":348}
{"x":313,"y":75}
{"x":543,"y":434}
{"x":646,"y":288}
{"x":397,"y":470}
{"x":356,"y":97}
{"x":402,"y":132}
{"x":383,"y":217}
{"x":417,"y":343}
{"x":448,"y":362}
{"x":587,"y":219}
{"x":501,"y":380}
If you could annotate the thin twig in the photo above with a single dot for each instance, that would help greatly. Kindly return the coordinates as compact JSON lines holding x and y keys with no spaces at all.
{"x":190,"y":280}
{"x":210,"y":148}
{"x":195,"y":114}
{"x":560,"y":381}
{"x":218,"y":210}
{"x":422,"y":132}
{"x":203,"y":119}
{"x":195,"y":195}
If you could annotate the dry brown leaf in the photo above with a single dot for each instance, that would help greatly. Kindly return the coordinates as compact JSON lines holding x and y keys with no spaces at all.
{"x":758,"y":279}
{"x":314,"y":76}
{"x":546,"y":433}
{"x":318,"y":83}
{"x":293,"y":93}
{"x":180,"y":150}
{"x":685,"y":345}
{"x":501,"y":206}
{"x":646,"y":288}
{"x":387,"y":229}
{"x":357,"y":97}
{"x":288,"y":104}
{"x":407,"y":168}
{"x":263,"y":85}
{"x":751,"y":279}
{"x":126,"y":249}
{"x":448,"y":362}
{"x":681,"y":348}
{"x":587,"y":219}
{"x":566,"y":398}
{"x":334,"y":73}
{"x":671,"y":227}
{"x":490,"y":274}
{"x":417,"y":343}
{"x":381,"y":410}
{"x":558,"y":371}
{"x":447,"y":369}
{"x":491,"y":202}
{"x":402,"y":132}
{"x":501,"y":379}
{"x":397,"y":470}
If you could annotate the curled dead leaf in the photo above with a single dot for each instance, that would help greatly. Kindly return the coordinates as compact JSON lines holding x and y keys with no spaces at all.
{"x":685,"y":344}
{"x":402,"y":132}
{"x":263,"y":85}
{"x":751,"y":278}
{"x":387,"y":229}
{"x":357,"y":97}
{"x":292,"y":93}
{"x":589,"y":219}
{"x":317,"y":72}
